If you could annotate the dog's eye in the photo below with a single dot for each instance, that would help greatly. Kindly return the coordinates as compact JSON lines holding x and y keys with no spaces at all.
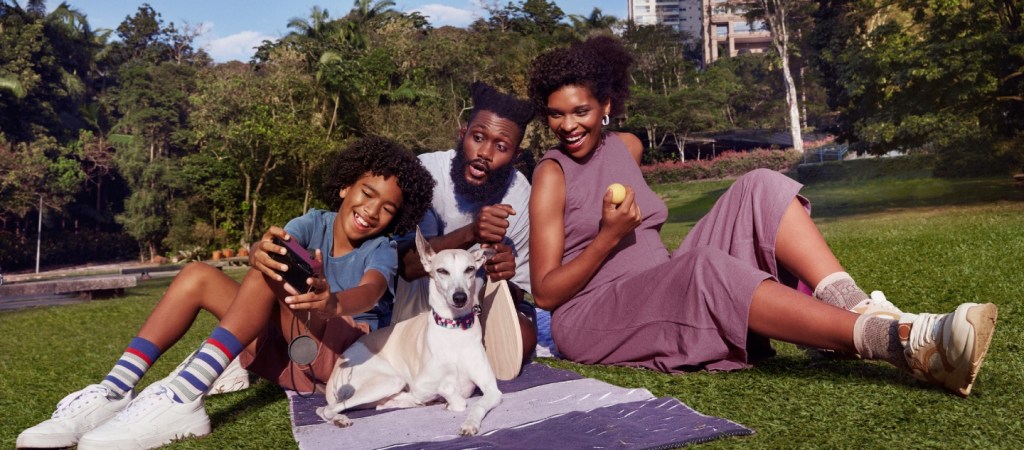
{"x":470,"y":270}
{"x":442,"y":271}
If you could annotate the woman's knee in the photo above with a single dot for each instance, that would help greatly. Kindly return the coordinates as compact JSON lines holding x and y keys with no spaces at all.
{"x":760,"y":177}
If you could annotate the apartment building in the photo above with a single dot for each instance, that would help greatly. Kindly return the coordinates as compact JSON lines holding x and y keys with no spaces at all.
{"x":723,"y":30}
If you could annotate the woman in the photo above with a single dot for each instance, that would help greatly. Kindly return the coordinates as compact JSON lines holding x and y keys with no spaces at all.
{"x":618,"y":297}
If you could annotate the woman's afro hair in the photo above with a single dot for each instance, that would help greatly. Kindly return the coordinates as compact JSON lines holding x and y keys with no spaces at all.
{"x":486,"y":98}
{"x":601,"y":64}
{"x":386,"y":158}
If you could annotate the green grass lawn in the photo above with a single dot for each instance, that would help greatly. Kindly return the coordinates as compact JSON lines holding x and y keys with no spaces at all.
{"x":929,"y":244}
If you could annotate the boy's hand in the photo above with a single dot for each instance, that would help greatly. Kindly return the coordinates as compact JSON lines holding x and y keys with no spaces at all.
{"x":260,"y":259}
{"x":319,"y":299}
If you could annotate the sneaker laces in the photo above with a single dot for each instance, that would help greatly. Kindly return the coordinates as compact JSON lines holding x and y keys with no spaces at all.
{"x":144,"y":402}
{"x":878,"y":302}
{"x":922,"y":332}
{"x":78,"y":399}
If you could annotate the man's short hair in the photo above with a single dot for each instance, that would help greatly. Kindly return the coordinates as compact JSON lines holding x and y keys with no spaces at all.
{"x":486,"y":98}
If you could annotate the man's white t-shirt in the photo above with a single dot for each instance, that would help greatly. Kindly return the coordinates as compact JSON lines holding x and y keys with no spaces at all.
{"x":445,"y":216}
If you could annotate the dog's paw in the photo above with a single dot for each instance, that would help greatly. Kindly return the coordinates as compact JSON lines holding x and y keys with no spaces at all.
{"x":469,"y":429}
{"x":341,"y":421}
{"x":325,"y":413}
{"x":456,"y":406}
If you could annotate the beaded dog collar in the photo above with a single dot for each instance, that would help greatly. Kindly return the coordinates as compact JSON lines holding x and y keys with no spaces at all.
{"x":464,"y":322}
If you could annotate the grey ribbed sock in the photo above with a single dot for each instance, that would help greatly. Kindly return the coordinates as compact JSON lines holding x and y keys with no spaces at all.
{"x":839,"y":289}
{"x":878,"y":338}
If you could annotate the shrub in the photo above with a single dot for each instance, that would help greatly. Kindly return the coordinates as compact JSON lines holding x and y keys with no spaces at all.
{"x":866,"y":169}
{"x":18,"y":252}
{"x":727,"y":164}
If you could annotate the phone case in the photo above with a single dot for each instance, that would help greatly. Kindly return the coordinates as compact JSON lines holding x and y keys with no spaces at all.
{"x":300,"y":262}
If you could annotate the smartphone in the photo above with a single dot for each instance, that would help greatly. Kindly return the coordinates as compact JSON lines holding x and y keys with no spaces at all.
{"x":300,"y":262}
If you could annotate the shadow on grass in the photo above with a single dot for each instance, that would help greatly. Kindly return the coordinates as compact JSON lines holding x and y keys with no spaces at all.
{"x":236,"y":407}
{"x":826,"y":369}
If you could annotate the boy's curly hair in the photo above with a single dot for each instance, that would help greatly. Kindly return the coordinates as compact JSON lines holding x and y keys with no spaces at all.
{"x":601,"y":64}
{"x":386,"y":158}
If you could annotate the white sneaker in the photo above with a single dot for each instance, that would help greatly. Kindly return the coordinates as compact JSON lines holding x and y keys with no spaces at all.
{"x":948,"y":349}
{"x":877,"y":305}
{"x":76,"y":414}
{"x":234,"y":378}
{"x":152,"y":420}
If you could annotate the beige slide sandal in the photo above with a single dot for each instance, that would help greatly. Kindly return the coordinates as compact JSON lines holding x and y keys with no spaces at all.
{"x":503,"y":339}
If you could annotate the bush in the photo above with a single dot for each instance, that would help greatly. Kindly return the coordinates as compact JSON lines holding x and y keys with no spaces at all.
{"x":866,"y":169}
{"x":727,"y":164}
{"x":974,"y":156}
{"x":59,"y":248}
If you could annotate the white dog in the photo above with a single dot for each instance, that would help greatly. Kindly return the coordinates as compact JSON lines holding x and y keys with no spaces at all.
{"x":438,"y":353}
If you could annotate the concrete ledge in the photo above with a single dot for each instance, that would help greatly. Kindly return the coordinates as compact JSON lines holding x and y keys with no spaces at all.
{"x":148,"y":269}
{"x":234,"y":261}
{"x":88,"y":285}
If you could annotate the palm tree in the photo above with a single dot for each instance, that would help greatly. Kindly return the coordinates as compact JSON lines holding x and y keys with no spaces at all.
{"x":597,"y":20}
{"x":310,"y":36}
{"x":365,"y":13}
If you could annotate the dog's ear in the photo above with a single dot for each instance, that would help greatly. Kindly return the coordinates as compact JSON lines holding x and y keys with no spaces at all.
{"x":423,"y":248}
{"x":481,"y":255}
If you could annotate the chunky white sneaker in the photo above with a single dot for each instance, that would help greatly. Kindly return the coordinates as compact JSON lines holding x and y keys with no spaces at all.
{"x":948,"y":349}
{"x":152,"y":420}
{"x":877,"y":305}
{"x":234,"y":378}
{"x":76,"y":414}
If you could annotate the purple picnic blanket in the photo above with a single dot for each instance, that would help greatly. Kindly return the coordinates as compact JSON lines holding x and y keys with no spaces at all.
{"x":542,"y":408}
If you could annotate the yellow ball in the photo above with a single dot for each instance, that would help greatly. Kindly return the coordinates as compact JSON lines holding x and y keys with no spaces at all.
{"x":618,"y":192}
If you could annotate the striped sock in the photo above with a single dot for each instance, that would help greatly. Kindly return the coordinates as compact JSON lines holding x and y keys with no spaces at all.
{"x":133,"y":364}
{"x":208,"y":363}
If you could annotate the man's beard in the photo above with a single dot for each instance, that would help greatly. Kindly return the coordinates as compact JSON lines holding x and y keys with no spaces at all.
{"x":491,"y":191}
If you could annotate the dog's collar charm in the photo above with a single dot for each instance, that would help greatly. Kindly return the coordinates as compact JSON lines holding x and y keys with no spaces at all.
{"x":464,"y":323}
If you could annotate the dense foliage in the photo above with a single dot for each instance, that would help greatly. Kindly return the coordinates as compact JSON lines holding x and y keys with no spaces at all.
{"x":135,"y":131}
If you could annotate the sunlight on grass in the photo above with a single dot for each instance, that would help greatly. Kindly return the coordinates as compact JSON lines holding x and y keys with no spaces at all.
{"x":929,"y":244}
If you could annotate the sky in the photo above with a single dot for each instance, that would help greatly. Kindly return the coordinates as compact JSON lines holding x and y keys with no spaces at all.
{"x":233,"y":27}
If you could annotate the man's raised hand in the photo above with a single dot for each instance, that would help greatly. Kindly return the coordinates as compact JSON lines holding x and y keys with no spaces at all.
{"x":491,"y":223}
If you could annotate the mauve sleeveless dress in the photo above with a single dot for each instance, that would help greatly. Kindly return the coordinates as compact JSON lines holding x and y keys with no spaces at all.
{"x":644,"y":308}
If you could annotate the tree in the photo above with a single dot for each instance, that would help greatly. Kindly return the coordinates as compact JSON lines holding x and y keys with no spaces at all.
{"x":944,"y":77}
{"x":596,"y":21}
{"x":776,"y":14}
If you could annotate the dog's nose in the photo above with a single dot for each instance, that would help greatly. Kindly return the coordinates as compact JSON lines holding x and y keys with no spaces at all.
{"x":460,"y":299}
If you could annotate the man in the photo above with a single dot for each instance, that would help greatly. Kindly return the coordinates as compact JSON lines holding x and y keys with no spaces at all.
{"x":481,"y":200}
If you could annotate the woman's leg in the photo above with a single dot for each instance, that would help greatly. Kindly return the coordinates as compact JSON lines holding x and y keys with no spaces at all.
{"x":942,"y":349}
{"x":801,"y":248}
{"x":779,"y":312}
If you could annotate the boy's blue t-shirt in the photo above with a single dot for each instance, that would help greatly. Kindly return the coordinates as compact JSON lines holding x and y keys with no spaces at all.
{"x":315,"y":230}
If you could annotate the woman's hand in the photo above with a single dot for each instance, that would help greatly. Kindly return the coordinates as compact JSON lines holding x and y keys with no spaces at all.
{"x":259,"y":254}
{"x":617,"y":221}
{"x":319,"y":299}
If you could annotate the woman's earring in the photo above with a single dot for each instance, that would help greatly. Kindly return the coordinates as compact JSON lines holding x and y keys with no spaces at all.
{"x":606,"y":120}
